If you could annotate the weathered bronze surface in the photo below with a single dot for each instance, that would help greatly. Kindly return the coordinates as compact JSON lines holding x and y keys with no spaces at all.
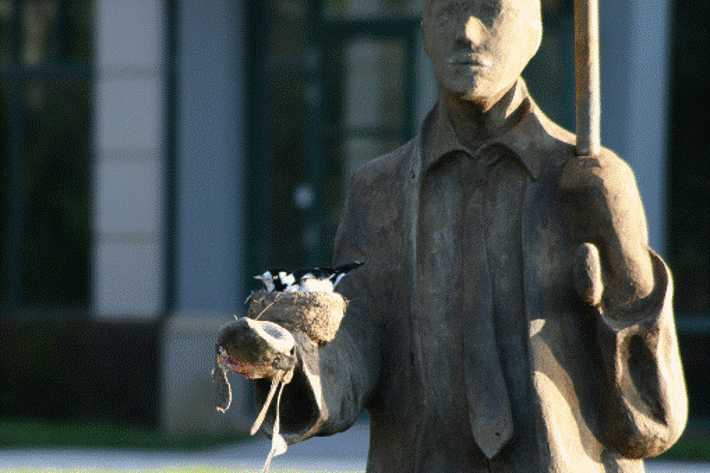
{"x":511,"y":317}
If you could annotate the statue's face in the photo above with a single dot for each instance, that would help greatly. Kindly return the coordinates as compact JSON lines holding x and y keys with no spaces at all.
{"x":479,"y":48}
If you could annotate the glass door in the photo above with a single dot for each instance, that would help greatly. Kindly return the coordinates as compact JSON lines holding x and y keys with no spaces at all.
{"x":332,"y":87}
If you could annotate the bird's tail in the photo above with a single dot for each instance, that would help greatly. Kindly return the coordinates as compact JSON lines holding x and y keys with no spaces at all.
{"x":340,"y":271}
{"x":347,"y":267}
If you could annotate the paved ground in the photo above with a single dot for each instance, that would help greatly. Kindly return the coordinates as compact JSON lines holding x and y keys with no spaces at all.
{"x":343,"y":452}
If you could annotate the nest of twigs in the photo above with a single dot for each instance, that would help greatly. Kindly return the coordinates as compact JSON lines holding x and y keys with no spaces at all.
{"x":317,"y":314}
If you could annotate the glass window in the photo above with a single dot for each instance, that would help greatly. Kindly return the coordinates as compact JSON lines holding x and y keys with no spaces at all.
{"x":282,"y":139}
{"x":39,"y":26}
{"x":55,"y":192}
{"x":53,"y":31}
{"x":372,"y":8}
{"x":335,"y":96}
{"x":689,"y":168}
{"x":374,"y":78}
{"x":45,"y":102}
{"x":373,"y":111}
{"x":6,"y":199}
{"x":289,"y":34}
{"x":550,"y":74}
{"x":6,"y":7}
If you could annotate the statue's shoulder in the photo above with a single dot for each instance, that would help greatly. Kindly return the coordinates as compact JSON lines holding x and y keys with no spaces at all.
{"x":386,"y":170}
{"x":375,"y":200}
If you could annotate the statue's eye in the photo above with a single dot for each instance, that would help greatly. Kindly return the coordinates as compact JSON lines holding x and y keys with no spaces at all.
{"x":446,"y":13}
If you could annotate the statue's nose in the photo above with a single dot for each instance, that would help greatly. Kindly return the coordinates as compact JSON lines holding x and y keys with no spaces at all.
{"x":471,"y":32}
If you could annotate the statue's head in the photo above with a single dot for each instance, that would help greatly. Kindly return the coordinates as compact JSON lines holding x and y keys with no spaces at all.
{"x":479,"y":48}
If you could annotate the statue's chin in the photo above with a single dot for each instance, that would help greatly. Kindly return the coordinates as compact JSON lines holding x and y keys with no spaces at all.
{"x":480,"y":90}
{"x":470,"y":87}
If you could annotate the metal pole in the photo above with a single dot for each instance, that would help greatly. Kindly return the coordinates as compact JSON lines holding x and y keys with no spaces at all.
{"x":586,"y":49}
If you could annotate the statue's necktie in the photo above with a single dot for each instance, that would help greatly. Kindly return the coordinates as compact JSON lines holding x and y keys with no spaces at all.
{"x":457,"y":300}
{"x":487,"y":396}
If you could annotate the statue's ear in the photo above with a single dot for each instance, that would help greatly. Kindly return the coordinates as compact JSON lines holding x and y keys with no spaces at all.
{"x":223,"y":390}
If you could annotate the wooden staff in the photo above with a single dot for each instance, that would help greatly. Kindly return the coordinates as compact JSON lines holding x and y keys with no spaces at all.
{"x":586,"y":49}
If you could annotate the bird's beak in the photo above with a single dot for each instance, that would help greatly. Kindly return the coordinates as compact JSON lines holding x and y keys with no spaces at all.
{"x":260,"y":278}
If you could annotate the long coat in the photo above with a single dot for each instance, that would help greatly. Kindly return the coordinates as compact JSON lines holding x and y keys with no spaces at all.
{"x":606,"y":390}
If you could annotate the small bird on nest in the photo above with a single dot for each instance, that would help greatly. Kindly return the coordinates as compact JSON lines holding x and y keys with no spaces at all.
{"x":323,"y":279}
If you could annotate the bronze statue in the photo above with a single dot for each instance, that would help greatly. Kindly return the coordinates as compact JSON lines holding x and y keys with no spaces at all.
{"x":510,"y":315}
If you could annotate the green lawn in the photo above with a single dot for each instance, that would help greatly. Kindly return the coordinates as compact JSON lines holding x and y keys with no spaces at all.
{"x":21,"y":434}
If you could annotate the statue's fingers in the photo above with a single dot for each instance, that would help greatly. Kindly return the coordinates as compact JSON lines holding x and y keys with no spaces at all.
{"x":588,"y":274}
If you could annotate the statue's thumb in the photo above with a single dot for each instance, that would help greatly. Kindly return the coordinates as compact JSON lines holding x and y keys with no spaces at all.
{"x":588,"y":274}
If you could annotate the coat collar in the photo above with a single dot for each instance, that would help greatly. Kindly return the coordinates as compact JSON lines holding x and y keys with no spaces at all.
{"x":526,"y":140}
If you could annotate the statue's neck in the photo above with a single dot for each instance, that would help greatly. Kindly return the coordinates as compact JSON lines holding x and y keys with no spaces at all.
{"x":475,"y":122}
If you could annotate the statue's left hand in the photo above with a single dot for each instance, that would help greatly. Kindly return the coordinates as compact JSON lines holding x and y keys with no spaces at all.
{"x":606,"y":219}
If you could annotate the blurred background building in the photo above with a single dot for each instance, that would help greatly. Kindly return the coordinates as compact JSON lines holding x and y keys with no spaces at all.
{"x":156,"y":154}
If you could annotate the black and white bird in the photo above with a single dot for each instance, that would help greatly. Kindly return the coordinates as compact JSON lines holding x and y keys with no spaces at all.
{"x":277,"y":280}
{"x":306,"y":279}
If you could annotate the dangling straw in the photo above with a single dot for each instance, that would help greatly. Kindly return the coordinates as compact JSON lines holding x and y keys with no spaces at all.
{"x":262,"y":414}
{"x":278,"y":443}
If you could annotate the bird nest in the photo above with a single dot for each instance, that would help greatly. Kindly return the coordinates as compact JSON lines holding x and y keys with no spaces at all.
{"x":317,"y":314}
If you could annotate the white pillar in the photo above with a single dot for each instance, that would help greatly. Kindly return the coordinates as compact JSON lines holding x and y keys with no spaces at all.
{"x":635,"y":50}
{"x":648,"y":100}
{"x":128,"y":198}
{"x":209,"y":228}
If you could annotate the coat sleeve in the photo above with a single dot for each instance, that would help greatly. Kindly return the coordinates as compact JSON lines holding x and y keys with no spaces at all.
{"x":332,"y":383}
{"x":646,"y":401}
